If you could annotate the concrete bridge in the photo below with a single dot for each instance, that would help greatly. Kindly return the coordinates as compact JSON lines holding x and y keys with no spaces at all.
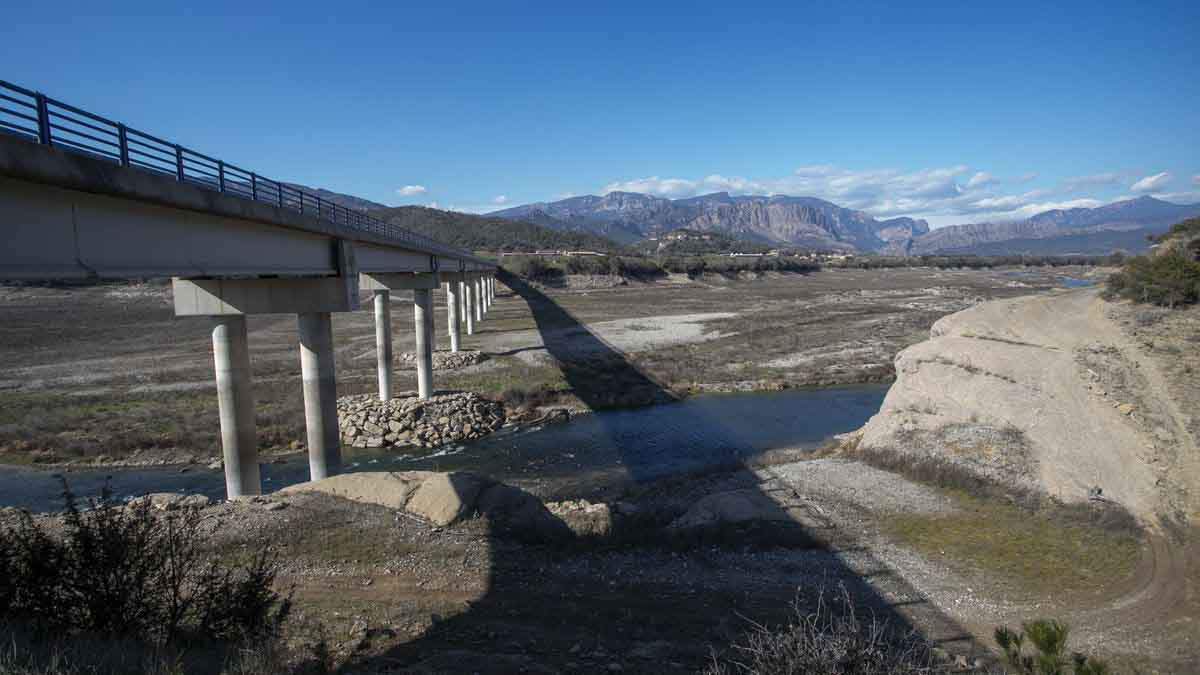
{"x":84,"y":197}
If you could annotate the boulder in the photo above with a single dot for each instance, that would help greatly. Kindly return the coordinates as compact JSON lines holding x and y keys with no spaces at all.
{"x":519,"y":514}
{"x":390,"y":489}
{"x":584,"y":518}
{"x":735,"y":506}
{"x":444,"y":498}
{"x":170,"y":501}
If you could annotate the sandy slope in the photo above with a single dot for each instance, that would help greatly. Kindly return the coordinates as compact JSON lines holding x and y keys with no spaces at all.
{"x":1050,"y":392}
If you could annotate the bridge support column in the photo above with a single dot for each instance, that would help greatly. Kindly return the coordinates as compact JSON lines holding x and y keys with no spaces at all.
{"x":462,"y":301}
{"x":469,"y":305}
{"x":320,"y":395}
{"x":478,"y":294}
{"x":423,"y":317}
{"x":492,"y":287}
{"x":452,"y":314}
{"x":383,"y":342}
{"x":235,"y":401}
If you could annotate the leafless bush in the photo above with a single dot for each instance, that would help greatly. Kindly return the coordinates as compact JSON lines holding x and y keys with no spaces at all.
{"x":128,"y":572}
{"x":832,"y":639}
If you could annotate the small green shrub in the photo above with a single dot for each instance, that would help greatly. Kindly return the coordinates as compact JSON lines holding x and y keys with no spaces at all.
{"x":1049,"y":656}
{"x":1169,"y":280}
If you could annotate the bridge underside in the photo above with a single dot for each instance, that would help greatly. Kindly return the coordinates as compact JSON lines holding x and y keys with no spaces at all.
{"x":66,"y":216}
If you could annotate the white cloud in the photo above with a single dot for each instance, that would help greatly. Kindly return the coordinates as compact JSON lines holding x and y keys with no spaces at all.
{"x":980,"y":179}
{"x":943,"y":195}
{"x":410,"y":190}
{"x":1076,"y":183}
{"x":500,"y":199}
{"x":1188,"y":197}
{"x":1152,"y":183}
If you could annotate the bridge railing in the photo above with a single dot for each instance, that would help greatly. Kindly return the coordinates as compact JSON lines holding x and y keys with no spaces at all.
{"x":47,"y":121}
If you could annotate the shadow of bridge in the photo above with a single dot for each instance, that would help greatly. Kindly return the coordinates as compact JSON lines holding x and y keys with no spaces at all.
{"x":646,"y":599}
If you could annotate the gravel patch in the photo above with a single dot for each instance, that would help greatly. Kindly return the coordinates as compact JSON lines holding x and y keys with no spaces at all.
{"x":843,"y":480}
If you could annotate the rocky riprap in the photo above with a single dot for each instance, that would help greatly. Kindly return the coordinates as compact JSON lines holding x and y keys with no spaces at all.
{"x":448,"y":360}
{"x":367,"y":422}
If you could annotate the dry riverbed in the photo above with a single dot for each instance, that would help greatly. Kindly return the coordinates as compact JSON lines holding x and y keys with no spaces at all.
{"x":106,"y":374}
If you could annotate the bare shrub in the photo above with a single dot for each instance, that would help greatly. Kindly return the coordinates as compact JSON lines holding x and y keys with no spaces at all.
{"x":127,"y":572}
{"x":833,"y":639}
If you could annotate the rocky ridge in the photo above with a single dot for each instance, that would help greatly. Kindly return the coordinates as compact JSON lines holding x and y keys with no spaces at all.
{"x":408,"y":421}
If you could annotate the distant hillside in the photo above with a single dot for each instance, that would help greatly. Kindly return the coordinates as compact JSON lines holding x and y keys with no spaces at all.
{"x":1121,"y":225}
{"x":684,"y":242}
{"x":779,"y":219}
{"x":348,"y":201}
{"x":489,"y":234}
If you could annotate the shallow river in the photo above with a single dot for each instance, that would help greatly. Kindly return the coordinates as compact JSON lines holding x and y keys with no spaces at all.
{"x":640,"y":443}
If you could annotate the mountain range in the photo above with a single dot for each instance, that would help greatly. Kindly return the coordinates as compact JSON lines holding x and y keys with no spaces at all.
{"x":808,"y":222}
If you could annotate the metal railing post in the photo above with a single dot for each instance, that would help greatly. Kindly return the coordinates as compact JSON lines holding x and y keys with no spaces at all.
{"x":179,"y":162}
{"x":318,"y":206}
{"x":301,"y":193}
{"x":220,"y":176}
{"x":43,"y":113}
{"x":254,"y":185}
{"x":279,"y":192}
{"x":123,"y":143}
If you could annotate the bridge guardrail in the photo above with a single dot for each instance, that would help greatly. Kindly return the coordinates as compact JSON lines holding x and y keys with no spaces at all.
{"x":47,"y":121}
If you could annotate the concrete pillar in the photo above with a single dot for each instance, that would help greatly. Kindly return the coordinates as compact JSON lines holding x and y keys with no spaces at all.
{"x":462,"y":295}
{"x":492,"y":288}
{"x":383,"y":342}
{"x":452,"y":314}
{"x":235,"y":401}
{"x":423,"y":316}
{"x":479,"y":294}
{"x":320,"y":395}
{"x":469,"y":305}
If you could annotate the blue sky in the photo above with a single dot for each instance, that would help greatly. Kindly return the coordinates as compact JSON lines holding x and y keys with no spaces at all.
{"x":956,"y":112}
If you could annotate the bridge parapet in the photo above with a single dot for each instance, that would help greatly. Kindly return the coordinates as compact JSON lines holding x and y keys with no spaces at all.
{"x":37,"y":118}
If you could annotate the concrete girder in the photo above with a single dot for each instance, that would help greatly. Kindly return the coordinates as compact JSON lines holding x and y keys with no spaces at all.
{"x":225,"y":297}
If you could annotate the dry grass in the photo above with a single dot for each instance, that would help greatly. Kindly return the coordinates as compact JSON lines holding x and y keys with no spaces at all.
{"x":1039,"y":553}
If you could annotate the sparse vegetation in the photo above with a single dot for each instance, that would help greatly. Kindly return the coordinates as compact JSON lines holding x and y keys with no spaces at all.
{"x":831,"y":638}
{"x":483,"y":233}
{"x":126,"y":572}
{"x":1049,"y":640}
{"x":1171,"y":277}
{"x":549,"y":269}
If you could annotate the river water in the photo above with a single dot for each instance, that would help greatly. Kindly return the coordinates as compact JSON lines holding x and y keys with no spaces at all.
{"x":641,"y":443}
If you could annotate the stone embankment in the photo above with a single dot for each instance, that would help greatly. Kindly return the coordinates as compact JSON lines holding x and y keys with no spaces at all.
{"x":448,"y":360}
{"x":407,"y":421}
{"x":1046,"y":393}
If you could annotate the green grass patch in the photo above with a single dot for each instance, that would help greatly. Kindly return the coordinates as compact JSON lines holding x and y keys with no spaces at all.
{"x":1050,"y":550}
